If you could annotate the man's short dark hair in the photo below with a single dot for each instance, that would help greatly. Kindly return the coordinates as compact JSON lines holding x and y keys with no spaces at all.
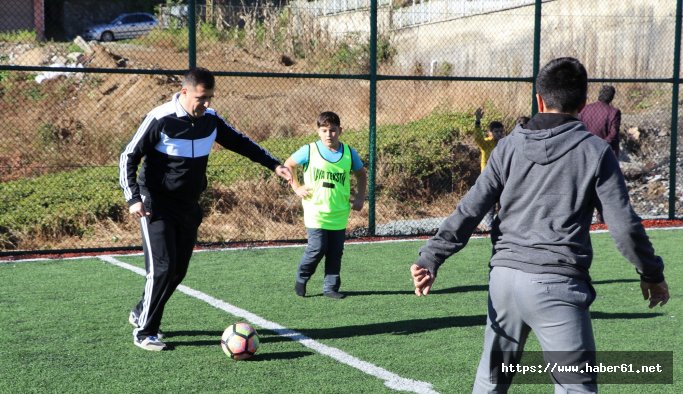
{"x":496,"y":125}
{"x":199,"y":76}
{"x":563,"y":84}
{"x":328,"y":119}
{"x":606,"y":93}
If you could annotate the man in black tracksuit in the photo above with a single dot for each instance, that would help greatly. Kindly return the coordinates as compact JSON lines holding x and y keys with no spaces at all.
{"x":175,"y":139}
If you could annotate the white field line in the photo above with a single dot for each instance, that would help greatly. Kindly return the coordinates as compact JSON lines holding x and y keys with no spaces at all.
{"x":391,"y":380}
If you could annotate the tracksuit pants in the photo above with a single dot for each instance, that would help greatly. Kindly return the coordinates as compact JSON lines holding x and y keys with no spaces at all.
{"x":169,"y":235}
{"x":555,"y":308}
{"x":323,"y":243}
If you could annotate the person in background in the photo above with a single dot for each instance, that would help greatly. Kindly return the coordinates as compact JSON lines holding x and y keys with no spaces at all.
{"x":603,"y":119}
{"x":522,"y":120}
{"x":487,"y":141}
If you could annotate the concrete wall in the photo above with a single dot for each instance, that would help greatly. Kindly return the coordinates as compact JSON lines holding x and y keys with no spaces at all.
{"x":621,"y":39}
{"x":613,"y":38}
{"x":352,"y":22}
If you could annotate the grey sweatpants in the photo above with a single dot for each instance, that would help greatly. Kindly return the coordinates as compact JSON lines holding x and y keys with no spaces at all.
{"x":323,"y":243}
{"x":555,"y":307}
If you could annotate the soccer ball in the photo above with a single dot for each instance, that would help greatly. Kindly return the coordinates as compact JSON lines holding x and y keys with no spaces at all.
{"x":239,"y":341}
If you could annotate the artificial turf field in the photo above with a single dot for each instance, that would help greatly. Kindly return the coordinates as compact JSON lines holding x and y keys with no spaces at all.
{"x":64,"y":329}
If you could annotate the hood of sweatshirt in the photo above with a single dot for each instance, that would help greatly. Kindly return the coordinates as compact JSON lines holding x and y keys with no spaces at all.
{"x":548,"y":145}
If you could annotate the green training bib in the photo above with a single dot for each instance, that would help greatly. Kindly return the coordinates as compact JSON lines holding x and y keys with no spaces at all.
{"x":328,"y":207}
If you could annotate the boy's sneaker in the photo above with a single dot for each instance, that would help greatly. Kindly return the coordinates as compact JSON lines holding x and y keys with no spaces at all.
{"x":152,"y":343}
{"x":334,"y":294}
{"x":133,"y":320}
{"x":300,"y":289}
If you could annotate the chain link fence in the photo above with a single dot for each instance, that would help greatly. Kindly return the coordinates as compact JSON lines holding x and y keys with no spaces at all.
{"x":406,"y":100}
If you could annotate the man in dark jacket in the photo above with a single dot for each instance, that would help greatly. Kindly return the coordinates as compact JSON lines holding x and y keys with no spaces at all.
{"x":548,"y":178}
{"x":602,"y":119}
{"x":175,"y":140}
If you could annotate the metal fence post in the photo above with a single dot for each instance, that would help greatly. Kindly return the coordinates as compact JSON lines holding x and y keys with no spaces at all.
{"x":674,"y":111}
{"x":372,"y":148}
{"x":192,"y":34}
{"x":537,"y":55}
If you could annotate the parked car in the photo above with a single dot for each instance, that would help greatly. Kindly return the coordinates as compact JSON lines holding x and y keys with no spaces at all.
{"x":128,"y":25}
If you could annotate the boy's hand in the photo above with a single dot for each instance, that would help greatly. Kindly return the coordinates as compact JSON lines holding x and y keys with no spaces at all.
{"x":303,"y":191}
{"x":357,"y":203}
{"x":478,"y":114}
{"x":656,"y":293}
{"x":422,"y":279}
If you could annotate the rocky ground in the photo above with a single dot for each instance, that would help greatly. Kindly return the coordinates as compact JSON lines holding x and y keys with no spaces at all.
{"x":644,"y":159}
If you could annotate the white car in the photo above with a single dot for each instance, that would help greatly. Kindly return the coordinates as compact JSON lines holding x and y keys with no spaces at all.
{"x":124,"y":26}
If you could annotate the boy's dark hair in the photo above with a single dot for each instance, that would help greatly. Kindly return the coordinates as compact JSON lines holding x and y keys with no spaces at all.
{"x":328,"y":119}
{"x":563,"y":84}
{"x":496,"y":125}
{"x":606,"y":94}
{"x":199,"y":76}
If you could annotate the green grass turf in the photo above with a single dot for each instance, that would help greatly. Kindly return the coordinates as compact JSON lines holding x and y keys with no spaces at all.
{"x":64,"y":322}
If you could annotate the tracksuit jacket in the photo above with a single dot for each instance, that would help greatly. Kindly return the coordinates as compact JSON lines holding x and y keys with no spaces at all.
{"x":176,"y":149}
{"x":549,"y":177}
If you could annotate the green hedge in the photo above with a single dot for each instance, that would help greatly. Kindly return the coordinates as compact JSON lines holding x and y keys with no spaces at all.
{"x":58,"y":204}
{"x":67,"y":203}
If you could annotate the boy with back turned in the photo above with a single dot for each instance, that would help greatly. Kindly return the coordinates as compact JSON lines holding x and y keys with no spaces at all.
{"x":548,"y":177}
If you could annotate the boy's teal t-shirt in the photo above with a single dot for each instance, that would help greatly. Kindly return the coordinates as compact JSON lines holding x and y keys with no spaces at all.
{"x":300,"y":157}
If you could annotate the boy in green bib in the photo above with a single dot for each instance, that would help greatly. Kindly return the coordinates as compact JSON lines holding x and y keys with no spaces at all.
{"x":327,"y":202}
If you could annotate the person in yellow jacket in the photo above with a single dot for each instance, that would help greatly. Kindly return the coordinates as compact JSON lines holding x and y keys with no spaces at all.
{"x":486,"y":141}
{"x":327,"y":201}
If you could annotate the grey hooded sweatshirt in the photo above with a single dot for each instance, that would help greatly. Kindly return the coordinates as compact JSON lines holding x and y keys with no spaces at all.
{"x":548,"y":179}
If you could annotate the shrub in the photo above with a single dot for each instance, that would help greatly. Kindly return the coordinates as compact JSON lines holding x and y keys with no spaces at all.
{"x":57,"y":205}
{"x":19,"y":37}
{"x":417,"y":162}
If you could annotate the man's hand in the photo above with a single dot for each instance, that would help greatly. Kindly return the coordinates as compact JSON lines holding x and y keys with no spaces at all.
{"x":657,"y":293}
{"x":284,"y":173}
{"x":138,"y":209}
{"x":422,"y":279}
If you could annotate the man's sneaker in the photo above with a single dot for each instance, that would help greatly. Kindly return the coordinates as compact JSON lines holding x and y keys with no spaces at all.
{"x":300,"y":289}
{"x":152,"y":343}
{"x":133,"y":320}
{"x":334,"y":294}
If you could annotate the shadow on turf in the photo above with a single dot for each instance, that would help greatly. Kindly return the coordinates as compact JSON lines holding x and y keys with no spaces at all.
{"x":450,"y":290}
{"x":407,"y":327}
{"x":404,"y":327}
{"x":608,"y":281}
{"x":454,"y":290}
{"x":279,"y":356}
